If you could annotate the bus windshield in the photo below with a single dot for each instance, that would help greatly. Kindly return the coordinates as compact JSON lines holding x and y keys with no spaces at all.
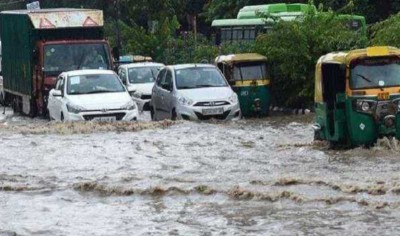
{"x":65,"y":57}
{"x":375,"y":73}
{"x":250,"y":71}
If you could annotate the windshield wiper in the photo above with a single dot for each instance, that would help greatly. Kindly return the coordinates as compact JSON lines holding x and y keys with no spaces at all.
{"x":186,"y":87}
{"x":204,"y":86}
{"x":102,"y":91}
{"x":364,"y":78}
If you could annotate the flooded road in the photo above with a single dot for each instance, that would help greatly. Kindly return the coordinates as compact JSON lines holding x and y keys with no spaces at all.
{"x":251,"y":177}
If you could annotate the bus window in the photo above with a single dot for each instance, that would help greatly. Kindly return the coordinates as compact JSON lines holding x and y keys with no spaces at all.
{"x":252,"y":33}
{"x":235,"y":35}
{"x":226,"y":34}
{"x":246,"y":33}
{"x":238,"y":32}
{"x":354,"y":25}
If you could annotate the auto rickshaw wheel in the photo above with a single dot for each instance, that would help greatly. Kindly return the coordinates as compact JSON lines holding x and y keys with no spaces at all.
{"x":317,"y":136}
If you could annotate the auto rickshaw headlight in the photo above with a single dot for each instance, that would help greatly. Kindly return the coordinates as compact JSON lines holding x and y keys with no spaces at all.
{"x":365,"y":106}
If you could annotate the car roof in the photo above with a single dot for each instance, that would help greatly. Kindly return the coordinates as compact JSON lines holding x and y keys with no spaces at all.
{"x":88,"y":72}
{"x":186,"y":66}
{"x":142,"y":64}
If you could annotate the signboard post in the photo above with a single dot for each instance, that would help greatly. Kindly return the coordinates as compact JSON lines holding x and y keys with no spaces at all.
{"x":33,"y":5}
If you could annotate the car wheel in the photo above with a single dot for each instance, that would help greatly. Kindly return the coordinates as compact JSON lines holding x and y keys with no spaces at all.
{"x":173,"y":115}
{"x":151,"y":113}
{"x":2,"y":100}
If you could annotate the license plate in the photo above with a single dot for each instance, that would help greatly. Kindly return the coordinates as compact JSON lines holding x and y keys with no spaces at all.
{"x":213,"y":111}
{"x":105,"y":119}
{"x":383,"y":96}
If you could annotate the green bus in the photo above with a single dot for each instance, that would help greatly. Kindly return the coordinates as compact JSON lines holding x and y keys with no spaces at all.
{"x":248,"y":25}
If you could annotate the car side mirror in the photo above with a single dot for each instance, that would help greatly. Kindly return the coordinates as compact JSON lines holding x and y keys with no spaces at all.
{"x":56,"y":93}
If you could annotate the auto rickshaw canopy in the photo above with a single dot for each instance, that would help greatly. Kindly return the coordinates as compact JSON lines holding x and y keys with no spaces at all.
{"x":345,"y":58}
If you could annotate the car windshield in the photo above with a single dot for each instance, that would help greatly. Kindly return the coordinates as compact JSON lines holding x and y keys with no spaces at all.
{"x":250,"y":71}
{"x":375,"y":72}
{"x":89,"y":84}
{"x":141,"y":75}
{"x":65,"y":57}
{"x":199,"y":77}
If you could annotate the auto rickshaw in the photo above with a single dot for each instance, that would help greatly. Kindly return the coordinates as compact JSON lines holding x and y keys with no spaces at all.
{"x":357,"y":96}
{"x":249,"y":77}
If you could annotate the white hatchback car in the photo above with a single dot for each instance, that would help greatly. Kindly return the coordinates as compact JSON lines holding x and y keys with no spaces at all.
{"x":139,"y":79}
{"x":193,"y":92}
{"x":96,"y":95}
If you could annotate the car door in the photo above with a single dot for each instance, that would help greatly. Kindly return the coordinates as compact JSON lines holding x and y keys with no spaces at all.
{"x":52,"y":99}
{"x":166,"y":95}
{"x":58,"y":101}
{"x":156,"y":93}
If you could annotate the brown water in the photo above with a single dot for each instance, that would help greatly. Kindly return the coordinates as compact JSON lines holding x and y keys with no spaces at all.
{"x":251,"y":177}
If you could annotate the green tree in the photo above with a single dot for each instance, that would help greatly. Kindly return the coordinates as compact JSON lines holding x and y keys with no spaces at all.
{"x":294,"y":48}
{"x":386,"y":32}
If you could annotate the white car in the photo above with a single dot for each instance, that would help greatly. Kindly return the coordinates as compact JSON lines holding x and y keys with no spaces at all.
{"x":139,"y":79}
{"x":193,"y":92}
{"x":96,"y":95}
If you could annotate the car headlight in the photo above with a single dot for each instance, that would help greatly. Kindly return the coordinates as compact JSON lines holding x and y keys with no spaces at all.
{"x":132,"y":93}
{"x":234,"y":98}
{"x":185,"y":101}
{"x":137,"y":94}
{"x":74,"y":108}
{"x":131,"y":105}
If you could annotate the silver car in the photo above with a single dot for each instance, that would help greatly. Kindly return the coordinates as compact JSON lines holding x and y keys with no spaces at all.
{"x":193,"y":92}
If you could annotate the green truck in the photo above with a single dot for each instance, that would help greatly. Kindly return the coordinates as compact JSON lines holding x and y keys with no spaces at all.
{"x":38,"y":45}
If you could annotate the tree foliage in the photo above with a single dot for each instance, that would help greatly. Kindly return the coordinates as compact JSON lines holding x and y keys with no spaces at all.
{"x":294,"y":48}
{"x":386,"y":32}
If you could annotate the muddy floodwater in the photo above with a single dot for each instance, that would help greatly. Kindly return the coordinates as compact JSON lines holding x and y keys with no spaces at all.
{"x":250,"y":177}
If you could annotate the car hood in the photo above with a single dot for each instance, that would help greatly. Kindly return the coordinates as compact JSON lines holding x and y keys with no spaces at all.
{"x":207,"y":94}
{"x":100,"y":100}
{"x":142,"y":88}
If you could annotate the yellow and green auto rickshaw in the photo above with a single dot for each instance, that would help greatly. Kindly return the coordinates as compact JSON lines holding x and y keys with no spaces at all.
{"x":357,"y":96}
{"x":249,"y":77}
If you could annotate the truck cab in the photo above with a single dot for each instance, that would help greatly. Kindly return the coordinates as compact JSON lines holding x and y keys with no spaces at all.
{"x":49,"y":42}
